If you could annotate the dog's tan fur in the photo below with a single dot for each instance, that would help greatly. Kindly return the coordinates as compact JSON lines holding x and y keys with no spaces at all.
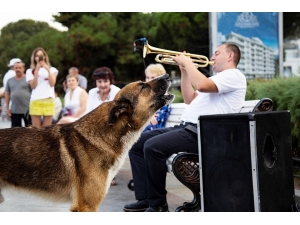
{"x":77,"y":161}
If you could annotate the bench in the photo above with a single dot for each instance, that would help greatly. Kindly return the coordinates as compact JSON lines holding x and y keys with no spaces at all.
{"x":185,"y":166}
{"x":264,"y":104}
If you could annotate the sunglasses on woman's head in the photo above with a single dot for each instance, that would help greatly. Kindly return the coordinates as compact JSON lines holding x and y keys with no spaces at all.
{"x":101,"y":73}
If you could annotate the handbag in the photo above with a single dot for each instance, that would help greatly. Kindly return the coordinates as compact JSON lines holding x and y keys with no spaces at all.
{"x":28,"y":117}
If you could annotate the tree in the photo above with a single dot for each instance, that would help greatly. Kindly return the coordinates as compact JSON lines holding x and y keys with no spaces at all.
{"x":291,"y":25}
{"x":183,"y":31}
{"x":69,"y":18}
{"x":13,"y":35}
{"x":105,"y":39}
{"x":19,"y":39}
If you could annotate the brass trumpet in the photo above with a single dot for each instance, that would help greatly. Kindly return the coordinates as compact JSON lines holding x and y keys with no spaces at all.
{"x":165,"y":56}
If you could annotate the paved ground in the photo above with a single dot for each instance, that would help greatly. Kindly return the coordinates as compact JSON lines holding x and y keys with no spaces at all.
{"x":116,"y":198}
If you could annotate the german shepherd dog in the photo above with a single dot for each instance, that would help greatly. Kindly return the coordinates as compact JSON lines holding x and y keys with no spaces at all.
{"x":77,"y":161}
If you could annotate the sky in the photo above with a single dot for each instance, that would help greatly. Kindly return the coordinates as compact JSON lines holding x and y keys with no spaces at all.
{"x":43,"y":10}
{"x":9,"y":17}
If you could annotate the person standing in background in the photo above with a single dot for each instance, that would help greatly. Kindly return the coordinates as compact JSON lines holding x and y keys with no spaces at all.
{"x":42,"y":78}
{"x":2,"y":104}
{"x":9,"y":74}
{"x":18,"y":91}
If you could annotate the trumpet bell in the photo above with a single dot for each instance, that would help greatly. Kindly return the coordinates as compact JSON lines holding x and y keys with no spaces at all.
{"x":166,"y":56}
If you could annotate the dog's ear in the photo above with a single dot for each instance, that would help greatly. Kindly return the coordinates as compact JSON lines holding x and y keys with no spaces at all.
{"x":117,"y":109}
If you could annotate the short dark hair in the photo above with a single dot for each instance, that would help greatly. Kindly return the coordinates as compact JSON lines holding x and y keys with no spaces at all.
{"x":103,"y":73}
{"x":236,"y":50}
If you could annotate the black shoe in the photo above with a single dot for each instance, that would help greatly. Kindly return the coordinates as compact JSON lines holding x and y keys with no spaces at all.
{"x":161,"y":208}
{"x":139,"y":206}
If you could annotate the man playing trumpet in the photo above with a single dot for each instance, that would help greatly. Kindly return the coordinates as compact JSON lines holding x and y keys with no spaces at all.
{"x":222,"y":93}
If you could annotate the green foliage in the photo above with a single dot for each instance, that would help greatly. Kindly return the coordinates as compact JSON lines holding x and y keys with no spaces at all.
{"x":19,"y":39}
{"x":291,"y":24}
{"x":69,"y":18}
{"x":182,"y":31}
{"x":178,"y":95}
{"x":96,"y":39}
{"x":13,"y":38}
{"x":285,"y":95}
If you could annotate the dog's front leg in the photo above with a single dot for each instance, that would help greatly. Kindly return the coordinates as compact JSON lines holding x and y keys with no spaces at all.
{"x":1,"y":197}
{"x":89,"y":197}
{"x":85,"y":207}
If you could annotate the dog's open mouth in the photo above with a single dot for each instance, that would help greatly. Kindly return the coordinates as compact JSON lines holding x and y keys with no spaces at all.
{"x":162,"y":86}
{"x":167,"y":96}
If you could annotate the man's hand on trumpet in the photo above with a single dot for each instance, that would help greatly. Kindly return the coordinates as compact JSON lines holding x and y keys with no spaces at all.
{"x":182,"y":60}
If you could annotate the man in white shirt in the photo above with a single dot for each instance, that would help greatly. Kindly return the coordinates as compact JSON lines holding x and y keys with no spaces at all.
{"x":222,"y":93}
{"x":10,"y":73}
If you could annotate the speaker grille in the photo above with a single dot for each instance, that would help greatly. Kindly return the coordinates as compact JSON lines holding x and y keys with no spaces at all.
{"x":226,"y":165}
{"x":229,"y":179}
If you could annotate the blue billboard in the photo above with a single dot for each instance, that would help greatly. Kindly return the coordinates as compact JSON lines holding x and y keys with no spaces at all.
{"x":259,"y":36}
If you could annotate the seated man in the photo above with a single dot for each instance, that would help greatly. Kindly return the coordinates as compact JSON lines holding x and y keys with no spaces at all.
{"x":222,"y":93}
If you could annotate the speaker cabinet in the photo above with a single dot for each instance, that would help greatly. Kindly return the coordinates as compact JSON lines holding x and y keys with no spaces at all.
{"x":246,"y":162}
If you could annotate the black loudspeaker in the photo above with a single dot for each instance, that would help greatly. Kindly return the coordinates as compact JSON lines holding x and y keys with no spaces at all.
{"x":246,"y":162}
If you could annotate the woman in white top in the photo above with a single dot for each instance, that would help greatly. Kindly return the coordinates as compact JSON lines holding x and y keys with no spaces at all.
{"x":105,"y":89}
{"x":75,"y":101}
{"x":42,"y":77}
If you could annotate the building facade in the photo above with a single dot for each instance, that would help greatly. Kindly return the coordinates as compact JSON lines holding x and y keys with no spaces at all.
{"x":291,"y":64}
{"x":257,"y":59}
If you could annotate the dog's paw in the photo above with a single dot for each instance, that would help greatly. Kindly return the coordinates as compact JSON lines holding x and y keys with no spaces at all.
{"x":1,"y":198}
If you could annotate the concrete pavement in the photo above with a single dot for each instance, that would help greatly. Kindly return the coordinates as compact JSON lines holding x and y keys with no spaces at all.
{"x":116,"y":198}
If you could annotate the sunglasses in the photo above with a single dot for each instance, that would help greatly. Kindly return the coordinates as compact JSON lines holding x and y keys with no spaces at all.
{"x":98,"y":73}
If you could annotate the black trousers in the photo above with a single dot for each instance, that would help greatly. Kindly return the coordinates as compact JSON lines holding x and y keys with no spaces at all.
{"x":148,"y":160}
{"x":16,"y":120}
